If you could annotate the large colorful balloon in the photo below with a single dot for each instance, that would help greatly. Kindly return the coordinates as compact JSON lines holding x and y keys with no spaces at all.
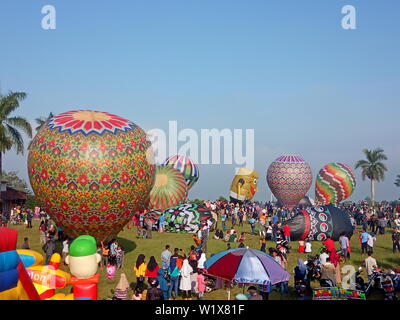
{"x":91,"y":171}
{"x":186,"y":166}
{"x":244,"y":185}
{"x":169,"y":188}
{"x":319,"y":223}
{"x":289,"y":177}
{"x":335,"y":182}
{"x":185,"y":218}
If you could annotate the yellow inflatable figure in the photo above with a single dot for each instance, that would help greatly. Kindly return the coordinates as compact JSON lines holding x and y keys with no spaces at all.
{"x":244,"y":185}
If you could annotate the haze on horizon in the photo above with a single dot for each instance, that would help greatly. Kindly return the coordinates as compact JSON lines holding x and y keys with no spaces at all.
{"x":287,"y":70}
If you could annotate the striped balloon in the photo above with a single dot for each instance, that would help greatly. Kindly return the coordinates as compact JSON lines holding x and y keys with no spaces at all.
{"x":335,"y":182}
{"x":169,"y":188}
{"x":186,"y":166}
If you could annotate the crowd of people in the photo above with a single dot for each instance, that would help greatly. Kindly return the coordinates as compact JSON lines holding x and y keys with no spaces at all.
{"x":177,"y":273}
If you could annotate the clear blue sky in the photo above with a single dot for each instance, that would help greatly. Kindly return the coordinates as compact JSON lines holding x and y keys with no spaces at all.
{"x":285,"y":68}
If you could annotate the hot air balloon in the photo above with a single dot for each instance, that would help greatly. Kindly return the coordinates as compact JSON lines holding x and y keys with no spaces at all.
{"x":335,"y":182}
{"x":244,"y":185}
{"x":289,"y":177}
{"x":185,"y":218}
{"x":91,"y":171}
{"x":319,"y":223}
{"x":169,"y":189}
{"x":186,"y":166}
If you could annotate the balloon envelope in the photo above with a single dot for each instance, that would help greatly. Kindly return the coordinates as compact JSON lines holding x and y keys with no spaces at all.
{"x":335,"y":182}
{"x":184,"y":218}
{"x":186,"y":166}
{"x":289,"y":177}
{"x":169,"y":188}
{"x":91,"y":171}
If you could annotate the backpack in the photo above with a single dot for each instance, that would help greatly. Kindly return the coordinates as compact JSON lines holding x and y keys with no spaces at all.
{"x":193,"y":255}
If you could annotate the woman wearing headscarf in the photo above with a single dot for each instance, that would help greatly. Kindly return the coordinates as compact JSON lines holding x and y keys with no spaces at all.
{"x":186,"y":283}
{"x":121,"y":291}
{"x":152,"y":269}
{"x":200,"y":263}
{"x":140,"y":270}
{"x":163,"y":279}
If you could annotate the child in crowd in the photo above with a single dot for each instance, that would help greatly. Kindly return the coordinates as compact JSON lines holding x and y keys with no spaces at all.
{"x":308,"y":246}
{"x":201,"y":287}
{"x":138,"y":294}
{"x":301,"y":247}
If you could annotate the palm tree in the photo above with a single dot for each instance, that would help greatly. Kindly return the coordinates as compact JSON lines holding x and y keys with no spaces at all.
{"x":397,"y":182}
{"x":373,"y":168}
{"x":42,"y":120}
{"x":10,"y":136}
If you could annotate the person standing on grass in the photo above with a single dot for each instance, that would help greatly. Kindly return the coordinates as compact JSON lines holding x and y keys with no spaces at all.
{"x":201,"y":286}
{"x":223,"y":219}
{"x":163,"y":280}
{"x":175,"y":266}
{"x":286,"y":233}
{"x":152,"y":269}
{"x":149,"y":227}
{"x":42,"y":230}
{"x":140,"y":270}
{"x":370,"y":242}
{"x":364,"y":242}
{"x":166,"y":255}
{"x":29,"y":217}
{"x":370,"y":265}
{"x":344,"y":245}
{"x":161,"y":222}
{"x":396,"y":241}
{"x":186,"y":283}
{"x":49,"y":248}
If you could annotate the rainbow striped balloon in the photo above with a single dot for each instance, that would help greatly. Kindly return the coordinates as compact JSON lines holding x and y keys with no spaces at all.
{"x":335,"y":182}
{"x":169,"y":188}
{"x":186,"y":166}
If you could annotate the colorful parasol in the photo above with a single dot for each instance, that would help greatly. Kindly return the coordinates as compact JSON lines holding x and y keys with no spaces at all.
{"x":246,"y":266}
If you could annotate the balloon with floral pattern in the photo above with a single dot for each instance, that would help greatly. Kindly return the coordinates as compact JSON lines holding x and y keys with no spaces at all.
{"x":91,"y":171}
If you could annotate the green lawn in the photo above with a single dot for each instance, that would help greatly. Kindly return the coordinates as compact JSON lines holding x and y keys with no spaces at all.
{"x":133,"y":247}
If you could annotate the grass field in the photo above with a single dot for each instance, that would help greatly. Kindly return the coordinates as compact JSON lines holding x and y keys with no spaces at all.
{"x":133,"y":247}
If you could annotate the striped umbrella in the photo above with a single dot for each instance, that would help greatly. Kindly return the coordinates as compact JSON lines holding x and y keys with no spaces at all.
{"x":169,"y":188}
{"x":246,"y":266}
{"x":186,"y":166}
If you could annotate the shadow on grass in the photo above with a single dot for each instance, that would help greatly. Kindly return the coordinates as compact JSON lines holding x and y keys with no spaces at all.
{"x":127,"y":244}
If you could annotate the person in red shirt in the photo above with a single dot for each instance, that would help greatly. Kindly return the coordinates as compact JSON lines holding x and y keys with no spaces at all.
{"x":152,"y":269}
{"x":286,"y":232}
{"x":329,"y":244}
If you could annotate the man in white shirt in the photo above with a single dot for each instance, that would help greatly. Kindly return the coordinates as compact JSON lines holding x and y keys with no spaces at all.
{"x":370,"y":243}
{"x":370,"y":265}
{"x":323,"y":256}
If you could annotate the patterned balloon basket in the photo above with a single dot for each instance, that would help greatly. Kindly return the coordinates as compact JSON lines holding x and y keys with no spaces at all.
{"x":91,"y":171}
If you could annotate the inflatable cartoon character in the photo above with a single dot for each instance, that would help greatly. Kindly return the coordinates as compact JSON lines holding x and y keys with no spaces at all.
{"x":244,"y":185}
{"x":83,"y":261}
{"x":15,"y":283}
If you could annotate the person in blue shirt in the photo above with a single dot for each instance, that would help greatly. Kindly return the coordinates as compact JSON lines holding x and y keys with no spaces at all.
{"x":161,"y":222}
{"x":364,"y":242}
{"x":223,"y":219}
